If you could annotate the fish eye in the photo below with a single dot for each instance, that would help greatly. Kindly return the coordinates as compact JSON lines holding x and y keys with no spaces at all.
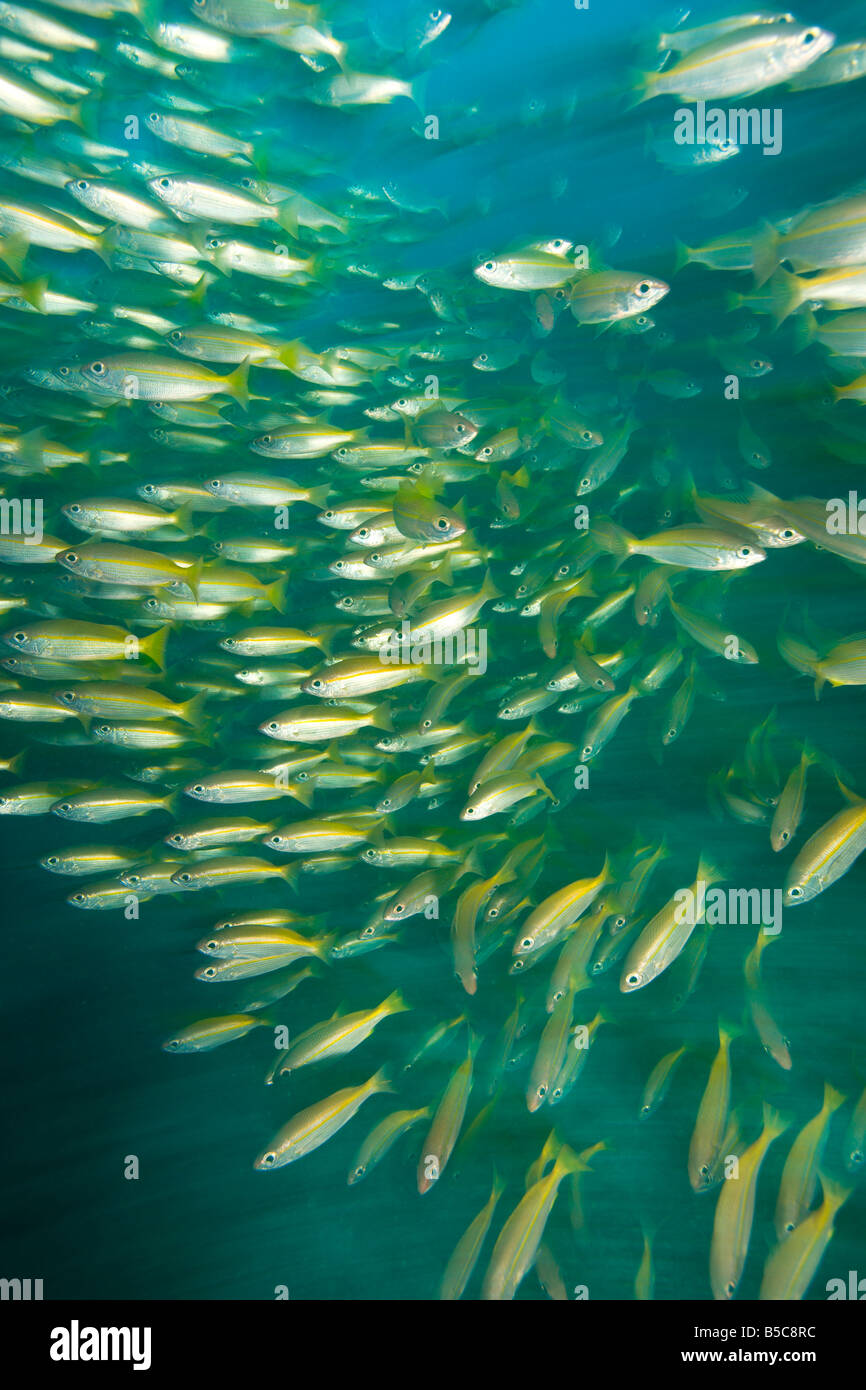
{"x":369,"y":853}
{"x":151,"y":602}
{"x":810,"y":36}
{"x":198,"y":788}
{"x":185,"y":877}
{"x":176,"y":335}
{"x":78,"y":898}
{"x":795,"y":892}
{"x":470,"y":811}
{"x":175,"y":839}
{"x":399,"y":909}
{"x":82,"y":185}
{"x":783,"y":835}
{"x":643,"y":288}
{"x":97,"y":368}
{"x":705,"y":1172}
{"x":52,"y":859}
{"x":786,"y":534}
{"x":164,"y":182}
{"x":64,"y":807}
{"x":154,"y":116}
{"x":272,"y":726}
{"x":586,"y":435}
{"x":104,"y":729}
{"x":19,"y":637}
{"x":856,"y":1157}
{"x":586,"y":482}
{"x":482,"y":357}
{"x":268,"y":1158}
{"x":74,"y":508}
{"x":441,"y":523}
{"x":489,"y":265}
{"x":744,"y":552}
{"x":461,"y":429}
{"x":526,"y":943}
{"x":214,"y":483}
{"x":633,"y":980}
{"x":317,"y":684}
{"x":63,"y":371}
{"x":265,"y":439}
{"x":131,"y":880}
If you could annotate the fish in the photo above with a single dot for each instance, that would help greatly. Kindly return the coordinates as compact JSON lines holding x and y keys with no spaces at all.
{"x":805,"y":1158}
{"x":791,"y":1266}
{"x":518,"y":1241}
{"x":467,"y":1251}
{"x":735,"y":1209}
{"x":310,"y":1128}
{"x":712,"y":1118}
{"x":447,"y":1122}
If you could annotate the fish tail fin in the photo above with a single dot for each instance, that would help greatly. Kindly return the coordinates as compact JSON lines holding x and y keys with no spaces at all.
{"x":805,"y":328}
{"x":382,"y":1081}
{"x":567,"y":1161}
{"x":775,"y":1123}
{"x":418,"y":92}
{"x":489,"y":589}
{"x":832,"y":1098}
{"x":191,"y":710}
{"x":319,"y":495}
{"x":13,"y":252}
{"x":640,"y":86}
{"x":236,"y":384}
{"x":729,"y":1032}
{"x":33,"y":292}
{"x":260,"y":156}
{"x":290,"y":873}
{"x":611,"y":538}
{"x":302,"y":792}
{"x":710,"y":871}
{"x":765,"y":253}
{"x":682,"y":255}
{"x":835,"y":1193}
{"x":278,"y":593}
{"x":396,"y":1004}
{"x":287,"y":217}
{"x":381,"y":719}
{"x":154,"y":645}
{"x":733,"y":301}
{"x":784,"y":296}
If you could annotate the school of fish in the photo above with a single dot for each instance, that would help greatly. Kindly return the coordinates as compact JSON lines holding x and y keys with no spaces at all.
{"x":354,"y":565}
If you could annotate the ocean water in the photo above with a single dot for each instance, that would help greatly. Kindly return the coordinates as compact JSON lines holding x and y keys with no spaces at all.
{"x":534,"y":142}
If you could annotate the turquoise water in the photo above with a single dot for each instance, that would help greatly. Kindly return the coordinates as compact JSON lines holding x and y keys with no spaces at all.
{"x":534,"y":142}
